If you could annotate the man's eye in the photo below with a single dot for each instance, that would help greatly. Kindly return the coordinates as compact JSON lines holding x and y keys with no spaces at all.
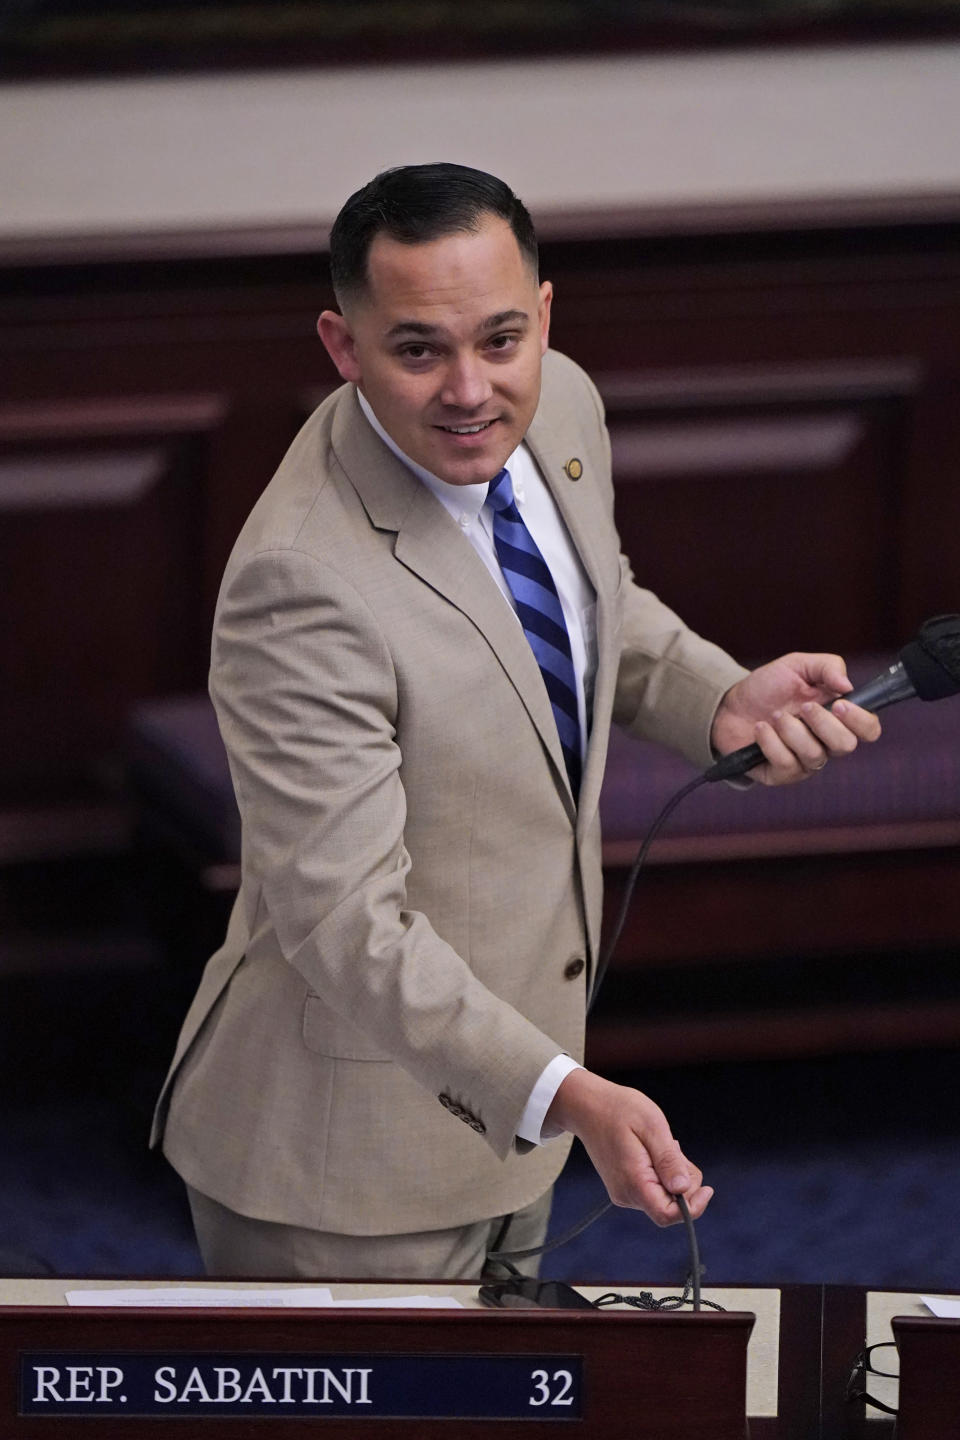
{"x":502,"y":342}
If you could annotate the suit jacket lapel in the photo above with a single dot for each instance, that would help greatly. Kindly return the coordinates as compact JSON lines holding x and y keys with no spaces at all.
{"x":551,"y":450}
{"x":430,"y":544}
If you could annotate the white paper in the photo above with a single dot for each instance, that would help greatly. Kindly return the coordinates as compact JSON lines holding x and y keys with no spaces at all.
{"x":941,"y":1305}
{"x":312,"y":1296}
{"x":402,"y":1302}
{"x":179,"y":1296}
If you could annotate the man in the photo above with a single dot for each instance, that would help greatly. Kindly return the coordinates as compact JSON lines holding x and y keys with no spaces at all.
{"x":422,"y":635}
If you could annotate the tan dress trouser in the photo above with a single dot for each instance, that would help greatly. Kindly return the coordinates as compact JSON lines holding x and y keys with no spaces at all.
{"x":238,"y":1246}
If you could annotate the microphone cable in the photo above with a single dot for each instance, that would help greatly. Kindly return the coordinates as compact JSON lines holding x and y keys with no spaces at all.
{"x":928,"y":668}
{"x":651,"y":835}
{"x":504,"y":1257}
{"x":691,"y":1290}
{"x":645,"y":1300}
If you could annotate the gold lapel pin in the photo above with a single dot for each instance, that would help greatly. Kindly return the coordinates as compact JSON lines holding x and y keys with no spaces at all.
{"x":574,"y":468}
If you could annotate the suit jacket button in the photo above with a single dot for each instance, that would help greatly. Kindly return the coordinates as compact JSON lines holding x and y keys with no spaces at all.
{"x":445,"y":1101}
{"x":479,"y":1126}
{"x":573,"y":968}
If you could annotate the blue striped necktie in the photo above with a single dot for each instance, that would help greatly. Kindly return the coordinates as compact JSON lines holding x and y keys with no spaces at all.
{"x":539,"y":612}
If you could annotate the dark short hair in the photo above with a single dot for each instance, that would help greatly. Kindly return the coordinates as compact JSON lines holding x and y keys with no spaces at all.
{"x":416,"y":203}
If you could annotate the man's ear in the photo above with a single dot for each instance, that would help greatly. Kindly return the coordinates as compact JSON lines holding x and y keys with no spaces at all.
{"x":543,"y":314}
{"x":338,"y":340}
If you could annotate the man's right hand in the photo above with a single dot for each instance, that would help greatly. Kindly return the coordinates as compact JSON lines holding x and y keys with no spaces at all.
{"x":629,"y":1141}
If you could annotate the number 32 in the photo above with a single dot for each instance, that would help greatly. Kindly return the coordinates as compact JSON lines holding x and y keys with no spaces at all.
{"x":562,"y":1396}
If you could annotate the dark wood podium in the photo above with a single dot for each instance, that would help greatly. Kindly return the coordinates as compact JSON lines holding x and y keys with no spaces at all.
{"x":134,"y":1374}
{"x":927,"y":1355}
{"x":774,"y":1366}
{"x":929,"y":1378}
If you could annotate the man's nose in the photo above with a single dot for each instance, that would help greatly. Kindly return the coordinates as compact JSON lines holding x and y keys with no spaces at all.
{"x":466,"y":384}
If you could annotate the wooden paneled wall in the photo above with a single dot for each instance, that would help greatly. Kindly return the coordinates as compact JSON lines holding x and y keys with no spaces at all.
{"x":784,"y":419}
{"x":784,"y":405}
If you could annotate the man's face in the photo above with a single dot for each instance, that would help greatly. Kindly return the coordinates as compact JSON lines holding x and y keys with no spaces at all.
{"x":446,"y":346}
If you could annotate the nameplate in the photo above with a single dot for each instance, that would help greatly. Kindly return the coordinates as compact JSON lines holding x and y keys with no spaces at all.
{"x":178,"y":1384}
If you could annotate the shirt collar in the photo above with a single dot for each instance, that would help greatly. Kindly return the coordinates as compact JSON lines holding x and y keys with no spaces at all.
{"x":457,"y":499}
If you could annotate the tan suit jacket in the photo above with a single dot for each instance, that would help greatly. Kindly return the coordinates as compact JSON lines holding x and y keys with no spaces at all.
{"x":416,"y":875}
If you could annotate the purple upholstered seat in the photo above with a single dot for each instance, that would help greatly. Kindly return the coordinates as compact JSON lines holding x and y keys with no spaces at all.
{"x":907,"y":784}
{"x":179,"y":767}
{"x":904,"y":790}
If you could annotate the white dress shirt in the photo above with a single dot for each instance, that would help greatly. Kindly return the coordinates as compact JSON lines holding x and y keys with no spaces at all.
{"x":466,"y":505}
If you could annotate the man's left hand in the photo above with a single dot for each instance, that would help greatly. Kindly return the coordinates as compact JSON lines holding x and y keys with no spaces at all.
{"x":781,"y":707}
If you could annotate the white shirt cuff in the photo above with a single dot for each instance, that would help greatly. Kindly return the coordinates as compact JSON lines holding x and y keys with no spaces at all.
{"x":532,"y":1120}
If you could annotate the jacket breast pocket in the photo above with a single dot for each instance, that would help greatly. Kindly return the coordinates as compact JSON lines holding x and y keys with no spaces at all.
{"x":329,"y":1034}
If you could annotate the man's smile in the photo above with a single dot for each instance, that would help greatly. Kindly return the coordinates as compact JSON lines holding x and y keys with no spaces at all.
{"x":473,"y":429}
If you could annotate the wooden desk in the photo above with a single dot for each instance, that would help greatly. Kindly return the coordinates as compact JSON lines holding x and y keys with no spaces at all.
{"x":640,"y":1374}
{"x":664,"y":1376}
{"x":854,"y":1317}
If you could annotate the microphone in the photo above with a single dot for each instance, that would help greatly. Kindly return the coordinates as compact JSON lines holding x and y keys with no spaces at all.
{"x":928,"y":668}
